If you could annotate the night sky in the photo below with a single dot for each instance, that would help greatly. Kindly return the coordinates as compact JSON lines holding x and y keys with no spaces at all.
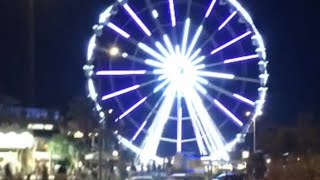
{"x":63,"y":27}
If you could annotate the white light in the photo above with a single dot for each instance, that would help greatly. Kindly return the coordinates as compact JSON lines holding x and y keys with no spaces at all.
{"x":245,"y":154}
{"x":178,"y":52}
{"x":151,"y":142}
{"x":198,"y":60}
{"x":118,"y":30}
{"x":231,"y":42}
{"x":179,"y":126}
{"x":151,"y":52}
{"x":227,"y":20}
{"x":227,"y":112}
{"x":194,"y":55}
{"x":248,"y":113}
{"x":110,"y":111}
{"x":101,"y":114}
{"x":91,"y":46}
{"x":168,"y":44}
{"x":137,"y":19}
{"x":200,"y":66}
{"x":215,"y":75}
{"x":194,"y":41}
{"x":126,"y":90}
{"x":115,"y":153}
{"x":132,"y":108}
{"x":155,"y":14}
{"x":124,"y":55}
{"x":243,"y":99}
{"x":179,"y":175}
{"x":210,"y":8}
{"x":243,"y":58}
{"x":13,"y":140}
{"x":120,"y":72}
{"x":268,"y":161}
{"x":162,"y":49}
{"x":139,"y":131}
{"x":154,"y":63}
{"x":78,"y":135}
{"x":202,"y":80}
{"x":114,"y":51}
{"x":241,"y":166}
{"x":161,"y":86}
{"x":185,"y":36}
{"x":172,"y":13}
{"x":47,"y":127}
{"x":105,"y":15}
{"x":201,"y":89}
{"x":205,"y":130}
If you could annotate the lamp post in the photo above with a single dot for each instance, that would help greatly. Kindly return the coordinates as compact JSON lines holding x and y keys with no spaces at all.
{"x":254,"y":136}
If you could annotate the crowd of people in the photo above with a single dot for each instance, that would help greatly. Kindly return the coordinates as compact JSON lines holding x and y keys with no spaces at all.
{"x":41,"y":173}
{"x":110,"y":172}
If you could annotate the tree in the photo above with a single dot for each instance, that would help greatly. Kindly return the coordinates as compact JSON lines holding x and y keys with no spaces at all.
{"x":61,"y":146}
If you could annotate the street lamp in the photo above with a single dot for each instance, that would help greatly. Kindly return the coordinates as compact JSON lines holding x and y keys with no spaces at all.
{"x":114,"y":51}
{"x":78,"y":135}
{"x":115,"y":153}
{"x":245,"y":154}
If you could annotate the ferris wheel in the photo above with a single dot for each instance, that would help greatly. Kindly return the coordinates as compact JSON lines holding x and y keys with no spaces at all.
{"x":185,"y":75}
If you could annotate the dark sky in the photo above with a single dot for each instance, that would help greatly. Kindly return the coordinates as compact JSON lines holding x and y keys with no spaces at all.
{"x":290,"y":28}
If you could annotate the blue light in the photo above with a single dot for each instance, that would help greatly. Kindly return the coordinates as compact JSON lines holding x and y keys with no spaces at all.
{"x":210,"y":8}
{"x":172,"y":13}
{"x":137,"y":19}
{"x":181,"y":71}
{"x":227,"y":112}
{"x":131,"y":109}
{"x":231,"y":42}
{"x":227,"y":20}
{"x":118,"y":30}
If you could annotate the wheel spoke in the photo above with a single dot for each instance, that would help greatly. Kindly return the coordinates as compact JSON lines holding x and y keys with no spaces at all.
{"x":151,"y":52}
{"x":172,"y":13}
{"x":244,"y":99}
{"x":231,"y":42}
{"x":141,"y":128}
{"x":243,"y":58}
{"x":215,"y":75}
{"x":227,"y":20}
{"x":185,"y":36}
{"x":194,"y":41}
{"x":154,"y":63}
{"x":123,"y":91}
{"x":179,"y":123}
{"x":131,"y":109}
{"x":228,"y":113}
{"x":127,"y":90}
{"x":136,"y":19}
{"x":122,"y":72}
{"x":210,"y":8}
{"x":155,"y":15}
{"x":118,"y":30}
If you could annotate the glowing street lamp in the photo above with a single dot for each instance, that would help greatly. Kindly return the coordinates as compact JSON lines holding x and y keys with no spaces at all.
{"x":114,"y":51}
{"x":115,"y":153}
{"x":78,"y":135}
{"x":245,"y":154}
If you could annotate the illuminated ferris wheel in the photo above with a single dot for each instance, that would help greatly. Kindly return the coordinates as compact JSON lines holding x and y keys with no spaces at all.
{"x":187,"y":75}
